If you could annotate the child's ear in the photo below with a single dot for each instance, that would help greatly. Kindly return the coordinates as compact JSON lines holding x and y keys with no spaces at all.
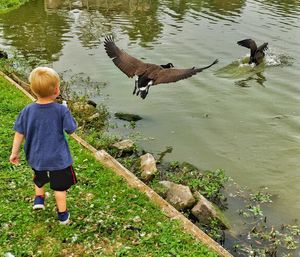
{"x":57,"y":90}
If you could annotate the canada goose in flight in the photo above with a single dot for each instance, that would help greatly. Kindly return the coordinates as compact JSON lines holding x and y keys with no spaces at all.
{"x":147,"y":74}
{"x":257,"y":54}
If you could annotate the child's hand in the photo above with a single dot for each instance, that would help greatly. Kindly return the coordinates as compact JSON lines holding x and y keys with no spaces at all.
{"x":14,"y":158}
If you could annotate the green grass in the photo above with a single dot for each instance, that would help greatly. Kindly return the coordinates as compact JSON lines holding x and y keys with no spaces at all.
{"x":108,"y":217}
{"x":7,"y":5}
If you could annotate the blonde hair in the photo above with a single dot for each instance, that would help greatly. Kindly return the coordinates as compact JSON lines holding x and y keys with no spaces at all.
{"x":43,"y":81}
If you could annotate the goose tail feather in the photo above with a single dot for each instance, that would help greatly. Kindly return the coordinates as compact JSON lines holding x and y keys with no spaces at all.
{"x":206,"y":67}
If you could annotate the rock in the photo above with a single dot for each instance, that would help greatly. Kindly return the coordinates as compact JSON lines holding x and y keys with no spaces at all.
{"x":160,"y":189}
{"x":94,"y":116}
{"x":148,"y":167}
{"x":81,"y":106}
{"x":179,"y":196}
{"x":124,"y":144}
{"x":127,"y":116}
{"x":137,"y":219}
{"x":3,"y":54}
{"x":89,"y":196}
{"x":166,"y":184}
{"x":204,"y":210}
{"x":8,"y":254}
{"x":92,"y":103}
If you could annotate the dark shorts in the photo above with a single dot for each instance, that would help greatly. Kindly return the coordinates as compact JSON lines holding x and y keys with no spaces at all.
{"x":60,"y":180}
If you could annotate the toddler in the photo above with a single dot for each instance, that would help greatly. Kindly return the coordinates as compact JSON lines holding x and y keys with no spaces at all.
{"x":42,"y":125}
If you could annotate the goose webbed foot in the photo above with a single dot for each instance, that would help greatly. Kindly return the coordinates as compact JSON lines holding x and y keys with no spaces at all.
{"x":144,"y":94}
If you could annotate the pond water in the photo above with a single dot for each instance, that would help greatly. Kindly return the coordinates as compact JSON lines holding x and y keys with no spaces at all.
{"x":233,"y":116}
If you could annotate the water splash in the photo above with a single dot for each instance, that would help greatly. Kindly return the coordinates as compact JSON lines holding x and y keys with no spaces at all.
{"x":241,"y":68}
{"x":272,"y":59}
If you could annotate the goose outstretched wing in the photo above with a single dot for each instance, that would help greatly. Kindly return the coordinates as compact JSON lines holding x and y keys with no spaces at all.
{"x":249,"y":43}
{"x":263,"y":47}
{"x":173,"y":75}
{"x":126,"y":63}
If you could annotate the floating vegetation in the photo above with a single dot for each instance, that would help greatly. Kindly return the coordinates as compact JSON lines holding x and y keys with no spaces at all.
{"x":260,"y":238}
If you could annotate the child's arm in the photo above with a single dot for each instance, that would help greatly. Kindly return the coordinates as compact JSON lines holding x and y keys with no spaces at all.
{"x":15,"y":152}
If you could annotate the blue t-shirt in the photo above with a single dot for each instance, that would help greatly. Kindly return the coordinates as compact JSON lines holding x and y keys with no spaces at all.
{"x":43,"y":127}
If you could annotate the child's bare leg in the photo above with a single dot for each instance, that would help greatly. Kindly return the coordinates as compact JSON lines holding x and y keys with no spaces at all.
{"x":61,"y":200}
{"x":39,"y":191}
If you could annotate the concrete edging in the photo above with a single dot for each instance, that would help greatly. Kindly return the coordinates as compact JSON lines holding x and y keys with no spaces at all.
{"x":134,"y":182}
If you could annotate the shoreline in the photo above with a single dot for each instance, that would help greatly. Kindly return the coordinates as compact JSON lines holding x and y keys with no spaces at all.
{"x":249,"y":213}
{"x":222,"y":253}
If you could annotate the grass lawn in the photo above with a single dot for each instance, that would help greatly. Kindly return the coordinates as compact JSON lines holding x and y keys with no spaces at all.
{"x":108,"y":217}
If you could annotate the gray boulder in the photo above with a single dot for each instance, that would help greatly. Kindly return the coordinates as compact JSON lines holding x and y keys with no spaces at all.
{"x":179,"y":196}
{"x":204,"y":210}
{"x":124,"y":144}
{"x":148,"y":167}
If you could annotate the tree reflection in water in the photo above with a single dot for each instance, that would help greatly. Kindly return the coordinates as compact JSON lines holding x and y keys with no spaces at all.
{"x":40,"y":28}
{"x":283,"y":7}
{"x":219,"y":8}
{"x":34,"y":32}
{"x":140,"y":18}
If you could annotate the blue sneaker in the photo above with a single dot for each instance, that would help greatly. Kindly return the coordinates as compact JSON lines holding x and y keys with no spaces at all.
{"x":64,"y":217}
{"x":39,"y":202}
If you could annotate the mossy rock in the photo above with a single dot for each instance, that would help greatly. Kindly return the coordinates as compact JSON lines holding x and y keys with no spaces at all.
{"x":127,"y":116}
{"x":222,"y":218}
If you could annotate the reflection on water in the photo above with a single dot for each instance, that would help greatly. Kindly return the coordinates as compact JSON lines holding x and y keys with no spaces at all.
{"x":285,"y":14}
{"x":225,"y":7}
{"x":289,"y":8}
{"x":90,"y":28}
{"x":34,"y":32}
{"x":52,"y":4}
{"x":258,"y":78}
{"x":216,"y":8}
{"x":139,"y":17}
{"x":140,"y":20}
{"x":226,"y":10}
{"x":143,"y":21}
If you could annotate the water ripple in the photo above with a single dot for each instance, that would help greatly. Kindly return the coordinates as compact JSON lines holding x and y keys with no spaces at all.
{"x":284,"y":14}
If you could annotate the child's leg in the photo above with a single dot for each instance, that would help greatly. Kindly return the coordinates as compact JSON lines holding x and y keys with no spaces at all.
{"x":60,"y":182}
{"x":39,"y":198}
{"x":39,"y":190}
{"x":61,"y":200}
